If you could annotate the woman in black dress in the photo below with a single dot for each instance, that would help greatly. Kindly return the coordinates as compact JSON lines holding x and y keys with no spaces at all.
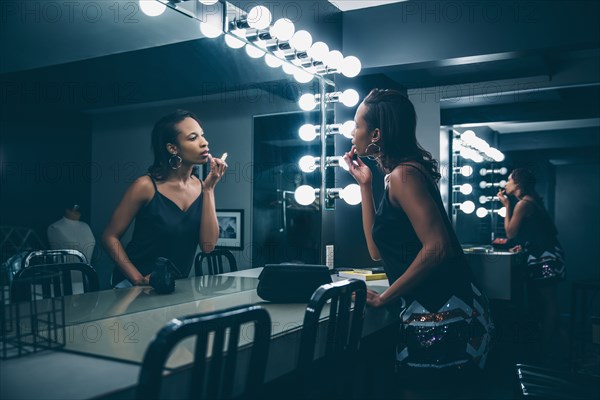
{"x":530,"y":225}
{"x":445,"y":325}
{"x":173,"y":209}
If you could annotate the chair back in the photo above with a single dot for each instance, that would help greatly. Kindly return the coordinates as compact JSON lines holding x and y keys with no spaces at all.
{"x":214,"y":262}
{"x":54,"y":257}
{"x":58,"y":285}
{"x":344,"y":331}
{"x":212,"y":378}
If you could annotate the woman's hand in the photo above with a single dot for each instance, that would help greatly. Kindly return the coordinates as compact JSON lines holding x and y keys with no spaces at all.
{"x":503,"y":198}
{"x":217,"y":169}
{"x":143,"y":281}
{"x":374,"y":298}
{"x":358,"y":169}
{"x":516,"y":249}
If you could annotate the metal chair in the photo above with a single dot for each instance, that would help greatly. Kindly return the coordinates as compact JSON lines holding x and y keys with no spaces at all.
{"x":214,"y":261}
{"x":344,"y":331}
{"x":59,"y":285}
{"x":212,"y":378}
{"x":54,"y":257}
{"x":540,"y":383}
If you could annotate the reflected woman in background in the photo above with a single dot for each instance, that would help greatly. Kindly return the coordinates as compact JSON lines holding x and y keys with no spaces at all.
{"x":445,"y":324}
{"x":530,"y":225}
{"x":174,"y":211}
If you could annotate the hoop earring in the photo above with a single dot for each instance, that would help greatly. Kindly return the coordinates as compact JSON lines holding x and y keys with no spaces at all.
{"x":372,"y":155}
{"x":175,"y":161}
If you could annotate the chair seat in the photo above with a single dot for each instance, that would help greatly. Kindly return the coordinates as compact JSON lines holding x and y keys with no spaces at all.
{"x":536,"y":382}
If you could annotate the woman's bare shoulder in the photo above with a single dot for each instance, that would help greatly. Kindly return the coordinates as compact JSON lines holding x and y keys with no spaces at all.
{"x":142,"y":188}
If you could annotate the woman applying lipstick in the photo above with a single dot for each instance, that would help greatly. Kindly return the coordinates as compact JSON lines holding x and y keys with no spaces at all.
{"x":440,"y":308}
{"x":173,"y":209}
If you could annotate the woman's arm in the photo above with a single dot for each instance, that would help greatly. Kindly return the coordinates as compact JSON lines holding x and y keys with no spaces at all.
{"x":408,"y":189}
{"x":209,"y":227}
{"x":138,"y":194}
{"x":513,"y":219}
{"x":362,"y":174}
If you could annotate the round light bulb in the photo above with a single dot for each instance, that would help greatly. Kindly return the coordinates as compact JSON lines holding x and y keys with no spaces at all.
{"x":333,"y":59}
{"x":209,"y":30}
{"x":483,"y":199}
{"x":301,"y":76}
{"x":502,"y":212}
{"x":307,"y":102}
{"x":307,"y":132}
{"x":467,"y":207}
{"x":351,"y":66}
{"x":304,"y":195}
{"x":283,"y":29}
{"x":468,"y":136}
{"x":272,"y":61}
{"x":503,"y":171}
{"x":483,"y":184}
{"x":349,"y":97}
{"x":208,"y":2}
{"x":347,"y":128}
{"x":318,"y":51}
{"x":259,"y":17}
{"x":466,"y":188}
{"x":502,"y":183}
{"x":466,"y":170}
{"x":481,"y":212}
{"x":234,"y":42}
{"x":351,"y":194}
{"x":288,"y":68}
{"x":342,"y":164}
{"x":301,"y":41}
{"x":152,"y":8}
{"x":483,"y":172}
{"x":254,"y":52}
{"x":307,"y":164}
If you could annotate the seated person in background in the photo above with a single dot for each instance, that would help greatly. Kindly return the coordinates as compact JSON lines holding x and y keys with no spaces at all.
{"x":173,"y":209}
{"x":71,"y":233}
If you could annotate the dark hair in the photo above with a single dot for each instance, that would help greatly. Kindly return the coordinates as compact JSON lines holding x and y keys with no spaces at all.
{"x":394,"y":114}
{"x":165,"y":132}
{"x":525,"y":180}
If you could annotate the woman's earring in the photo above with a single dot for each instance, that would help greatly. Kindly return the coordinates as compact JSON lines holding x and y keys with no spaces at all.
{"x":175,"y":161}
{"x":372,"y":155}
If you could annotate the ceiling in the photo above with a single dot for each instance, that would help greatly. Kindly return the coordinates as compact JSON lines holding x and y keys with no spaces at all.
{"x":348,"y":5}
{"x":519,"y":94}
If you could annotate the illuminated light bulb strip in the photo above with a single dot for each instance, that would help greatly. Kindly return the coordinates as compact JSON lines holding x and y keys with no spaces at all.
{"x":310,"y":164}
{"x":500,"y":171}
{"x":309,"y":132}
{"x":468,"y":145}
{"x":485,"y":199}
{"x":348,"y":97}
{"x":483,"y":212}
{"x":465,"y":188}
{"x":306,"y":195}
{"x":486,"y":185}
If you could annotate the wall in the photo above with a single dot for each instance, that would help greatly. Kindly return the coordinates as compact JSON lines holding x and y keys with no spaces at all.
{"x":578,"y":222}
{"x":121,"y":149}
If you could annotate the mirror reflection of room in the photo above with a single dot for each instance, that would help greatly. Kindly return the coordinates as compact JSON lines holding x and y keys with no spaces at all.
{"x":158,"y":155}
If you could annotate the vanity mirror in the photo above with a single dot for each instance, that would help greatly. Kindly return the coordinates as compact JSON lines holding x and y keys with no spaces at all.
{"x":81,"y":106}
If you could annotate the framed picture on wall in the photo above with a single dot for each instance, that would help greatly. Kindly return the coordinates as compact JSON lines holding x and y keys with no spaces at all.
{"x":231,"y":229}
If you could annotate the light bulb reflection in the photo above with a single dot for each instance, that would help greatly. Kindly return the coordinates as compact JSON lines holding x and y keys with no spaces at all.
{"x":481,"y":212}
{"x":307,"y":132}
{"x":152,"y":8}
{"x":283,"y":29}
{"x":347,"y":128}
{"x":351,"y":194}
{"x":467,"y":207}
{"x":305,"y":195}
{"x":259,"y":17}
{"x":351,"y":66}
{"x":308,"y":164}
{"x":307,"y":101}
{"x":209,"y":30}
{"x":349,"y":97}
{"x":301,"y":41}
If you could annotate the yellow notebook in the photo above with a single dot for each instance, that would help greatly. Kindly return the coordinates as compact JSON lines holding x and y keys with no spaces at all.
{"x":362,"y":276}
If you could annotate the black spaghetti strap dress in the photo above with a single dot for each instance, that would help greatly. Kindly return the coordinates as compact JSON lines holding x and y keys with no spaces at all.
{"x":445,"y":322}
{"x":162,"y":229}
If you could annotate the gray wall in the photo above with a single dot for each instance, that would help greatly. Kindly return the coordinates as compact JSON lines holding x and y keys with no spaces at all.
{"x":578,"y":222}
{"x":121,"y":153}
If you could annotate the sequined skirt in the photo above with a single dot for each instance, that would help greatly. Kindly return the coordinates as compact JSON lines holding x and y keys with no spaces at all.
{"x":455,"y":336}
{"x":547,"y":266}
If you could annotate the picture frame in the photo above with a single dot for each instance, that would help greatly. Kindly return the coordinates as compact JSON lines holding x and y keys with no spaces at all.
{"x":231,"y":229}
